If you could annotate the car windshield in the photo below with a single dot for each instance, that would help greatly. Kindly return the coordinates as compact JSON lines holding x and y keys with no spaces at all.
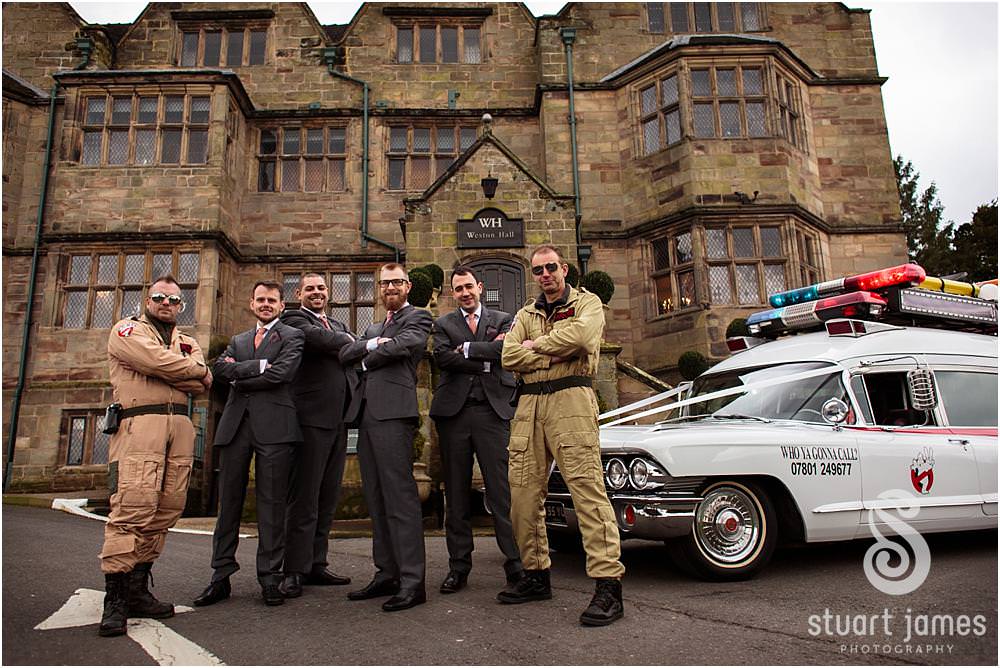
{"x":799,"y":399}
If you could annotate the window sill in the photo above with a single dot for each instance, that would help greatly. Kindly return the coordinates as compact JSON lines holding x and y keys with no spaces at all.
{"x":74,"y":469}
{"x":672,"y":314}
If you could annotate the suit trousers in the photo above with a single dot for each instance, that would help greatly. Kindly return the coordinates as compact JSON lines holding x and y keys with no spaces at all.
{"x":476,"y":429}
{"x":317,"y":470}
{"x":271,"y":467}
{"x":385,"y":453}
{"x":153,"y":456}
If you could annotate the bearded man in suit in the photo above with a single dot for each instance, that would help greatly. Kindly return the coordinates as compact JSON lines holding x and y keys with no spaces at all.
{"x":385,"y":403}
{"x":472,"y":412}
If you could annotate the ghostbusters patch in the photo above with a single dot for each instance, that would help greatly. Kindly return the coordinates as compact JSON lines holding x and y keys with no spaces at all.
{"x":126,"y":330}
{"x":186,"y":348}
{"x":562,"y":315}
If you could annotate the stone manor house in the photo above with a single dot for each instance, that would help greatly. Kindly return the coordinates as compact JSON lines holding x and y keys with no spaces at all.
{"x":702,"y":154}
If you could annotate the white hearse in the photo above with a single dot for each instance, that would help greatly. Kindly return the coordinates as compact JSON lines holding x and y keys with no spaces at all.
{"x":815,"y":436}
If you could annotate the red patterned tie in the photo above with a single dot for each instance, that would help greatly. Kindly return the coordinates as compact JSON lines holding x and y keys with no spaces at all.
{"x":471,"y":318}
{"x":326,"y":323}
{"x":258,"y":337}
{"x":388,"y":319}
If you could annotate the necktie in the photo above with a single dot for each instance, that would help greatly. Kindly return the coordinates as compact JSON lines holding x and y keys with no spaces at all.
{"x":471,"y":318}
{"x":388,"y":319}
{"x":258,"y":337}
{"x":326,"y":323}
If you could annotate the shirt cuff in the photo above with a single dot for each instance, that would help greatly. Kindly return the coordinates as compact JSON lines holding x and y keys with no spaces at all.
{"x":263,"y":365}
{"x":371,"y":345}
{"x":465,"y":349}
{"x":486,"y":367}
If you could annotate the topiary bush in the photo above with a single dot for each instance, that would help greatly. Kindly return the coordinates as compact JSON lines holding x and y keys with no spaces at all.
{"x":573,"y":276}
{"x":421,"y":288}
{"x":435,"y":273}
{"x":600,"y":283}
{"x":737,"y":327}
{"x":692,"y":364}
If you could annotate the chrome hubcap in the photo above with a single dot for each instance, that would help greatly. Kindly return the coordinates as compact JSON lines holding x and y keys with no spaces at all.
{"x":728,"y":525}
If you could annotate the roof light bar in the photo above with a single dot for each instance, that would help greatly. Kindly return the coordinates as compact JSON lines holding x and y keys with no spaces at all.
{"x":928,"y":303}
{"x":904,"y":274}
{"x":800,"y":316}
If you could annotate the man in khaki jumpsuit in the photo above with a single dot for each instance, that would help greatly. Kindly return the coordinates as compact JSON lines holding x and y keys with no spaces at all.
{"x":153,"y":369}
{"x":554,"y":346}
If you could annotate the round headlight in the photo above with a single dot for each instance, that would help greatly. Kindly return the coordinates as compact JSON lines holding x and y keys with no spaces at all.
{"x":617,"y":474}
{"x":639,"y":473}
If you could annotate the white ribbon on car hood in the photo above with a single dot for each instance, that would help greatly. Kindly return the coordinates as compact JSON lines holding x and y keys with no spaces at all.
{"x":825,"y":371}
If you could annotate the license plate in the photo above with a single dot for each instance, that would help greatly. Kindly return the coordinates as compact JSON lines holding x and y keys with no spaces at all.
{"x":554,"y":512}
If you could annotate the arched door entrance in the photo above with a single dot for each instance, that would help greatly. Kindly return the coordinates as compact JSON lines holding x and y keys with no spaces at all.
{"x":503,"y":283}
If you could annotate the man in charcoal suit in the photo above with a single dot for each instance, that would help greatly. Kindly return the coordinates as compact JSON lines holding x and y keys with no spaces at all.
{"x":259,"y":420}
{"x":320,"y":391}
{"x":385,"y":402}
{"x":472,"y":411}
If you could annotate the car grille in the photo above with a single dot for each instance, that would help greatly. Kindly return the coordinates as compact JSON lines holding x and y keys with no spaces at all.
{"x":685,"y":486}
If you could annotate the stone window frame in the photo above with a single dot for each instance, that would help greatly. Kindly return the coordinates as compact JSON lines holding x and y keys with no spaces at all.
{"x":720,"y":98}
{"x":417,"y":30}
{"x":407,"y":167}
{"x":656,"y":109}
{"x":727,"y":282}
{"x":808,"y":256}
{"x":294,"y":152}
{"x":248,"y":55}
{"x":705,"y":17}
{"x":356,"y":309}
{"x":89,"y":286}
{"x":192,"y":132}
{"x":790,"y":121}
{"x":671,"y":260}
{"x":95,"y":443}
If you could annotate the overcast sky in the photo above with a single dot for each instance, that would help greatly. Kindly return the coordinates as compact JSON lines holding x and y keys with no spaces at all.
{"x":940,"y":100}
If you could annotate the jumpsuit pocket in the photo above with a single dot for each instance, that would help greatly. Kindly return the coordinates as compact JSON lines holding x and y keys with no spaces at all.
{"x":175,"y":486}
{"x":517,"y":466}
{"x":122,"y":543}
{"x":579,"y":460}
{"x":113,"y":477}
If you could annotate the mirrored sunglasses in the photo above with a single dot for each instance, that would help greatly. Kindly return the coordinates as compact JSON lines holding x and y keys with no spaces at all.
{"x":159,"y":298}
{"x":551,"y":267}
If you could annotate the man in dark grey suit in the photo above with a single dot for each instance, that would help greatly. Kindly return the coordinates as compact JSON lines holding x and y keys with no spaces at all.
{"x":320,"y":391}
{"x":385,"y":402}
{"x":472,"y":411}
{"x":260,"y":421}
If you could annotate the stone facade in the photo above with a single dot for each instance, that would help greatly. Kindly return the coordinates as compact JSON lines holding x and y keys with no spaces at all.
{"x":225,"y":141}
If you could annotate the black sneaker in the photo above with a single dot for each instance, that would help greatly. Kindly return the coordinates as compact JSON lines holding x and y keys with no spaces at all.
{"x":534,"y":586}
{"x":606,"y":606}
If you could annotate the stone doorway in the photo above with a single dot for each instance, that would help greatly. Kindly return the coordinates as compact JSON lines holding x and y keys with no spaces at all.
{"x":503,"y":283}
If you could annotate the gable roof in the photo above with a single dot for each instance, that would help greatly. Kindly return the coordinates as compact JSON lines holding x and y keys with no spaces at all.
{"x":486,"y":138}
{"x":22,"y":89}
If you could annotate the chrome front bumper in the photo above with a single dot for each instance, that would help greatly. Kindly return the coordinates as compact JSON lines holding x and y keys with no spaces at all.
{"x":656,"y":518}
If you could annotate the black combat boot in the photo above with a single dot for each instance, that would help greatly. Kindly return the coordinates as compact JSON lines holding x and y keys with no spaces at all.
{"x":115,"y":618}
{"x":534,"y":586}
{"x":141,"y":602}
{"x":606,"y":606}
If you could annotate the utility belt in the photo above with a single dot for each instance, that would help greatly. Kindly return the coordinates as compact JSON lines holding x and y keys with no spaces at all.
{"x":115,"y":413}
{"x":550,"y":386}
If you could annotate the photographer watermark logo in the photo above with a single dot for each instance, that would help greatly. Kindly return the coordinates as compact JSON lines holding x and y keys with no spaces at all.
{"x":908,"y":574}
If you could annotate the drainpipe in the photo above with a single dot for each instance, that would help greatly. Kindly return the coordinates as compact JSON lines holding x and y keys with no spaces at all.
{"x":86,"y":45}
{"x":582,"y":253}
{"x":330,"y":56}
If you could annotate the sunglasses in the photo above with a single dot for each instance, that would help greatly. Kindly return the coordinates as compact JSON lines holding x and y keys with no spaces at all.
{"x":159,"y":298}
{"x":551,"y":267}
{"x":394,"y":282}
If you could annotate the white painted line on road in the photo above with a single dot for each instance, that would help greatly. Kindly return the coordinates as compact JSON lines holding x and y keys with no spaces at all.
{"x":167,"y":647}
{"x":76,"y":507}
{"x":163,"y":644}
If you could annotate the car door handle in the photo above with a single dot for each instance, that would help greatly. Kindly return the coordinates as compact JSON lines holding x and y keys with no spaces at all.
{"x":964,"y":442}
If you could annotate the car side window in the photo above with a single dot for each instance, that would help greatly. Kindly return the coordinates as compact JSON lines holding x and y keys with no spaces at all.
{"x":858,"y":387}
{"x":890,"y":401}
{"x":969,"y":398}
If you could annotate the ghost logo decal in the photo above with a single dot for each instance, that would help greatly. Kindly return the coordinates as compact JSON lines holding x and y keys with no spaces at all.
{"x":922,"y":471}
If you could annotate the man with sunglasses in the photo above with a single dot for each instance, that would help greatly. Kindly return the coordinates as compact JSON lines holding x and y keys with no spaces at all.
{"x":153,"y":369}
{"x":385,"y":404}
{"x":554,"y":345}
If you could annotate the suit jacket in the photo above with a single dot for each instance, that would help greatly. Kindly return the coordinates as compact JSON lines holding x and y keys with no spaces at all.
{"x":390,"y":382}
{"x":320,"y":388}
{"x":458,"y":373}
{"x":266,"y":396}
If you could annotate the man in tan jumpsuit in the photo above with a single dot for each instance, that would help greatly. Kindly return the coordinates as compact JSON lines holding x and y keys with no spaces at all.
{"x":554,"y":346}
{"x":153,"y":369}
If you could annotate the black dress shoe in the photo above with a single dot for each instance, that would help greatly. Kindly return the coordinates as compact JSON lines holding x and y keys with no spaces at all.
{"x":272,"y":594}
{"x":375,"y":589}
{"x":406,"y":598}
{"x":513,"y":578}
{"x":325,"y":577}
{"x":291,"y":586}
{"x":453,"y":582}
{"x":217,"y":590}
